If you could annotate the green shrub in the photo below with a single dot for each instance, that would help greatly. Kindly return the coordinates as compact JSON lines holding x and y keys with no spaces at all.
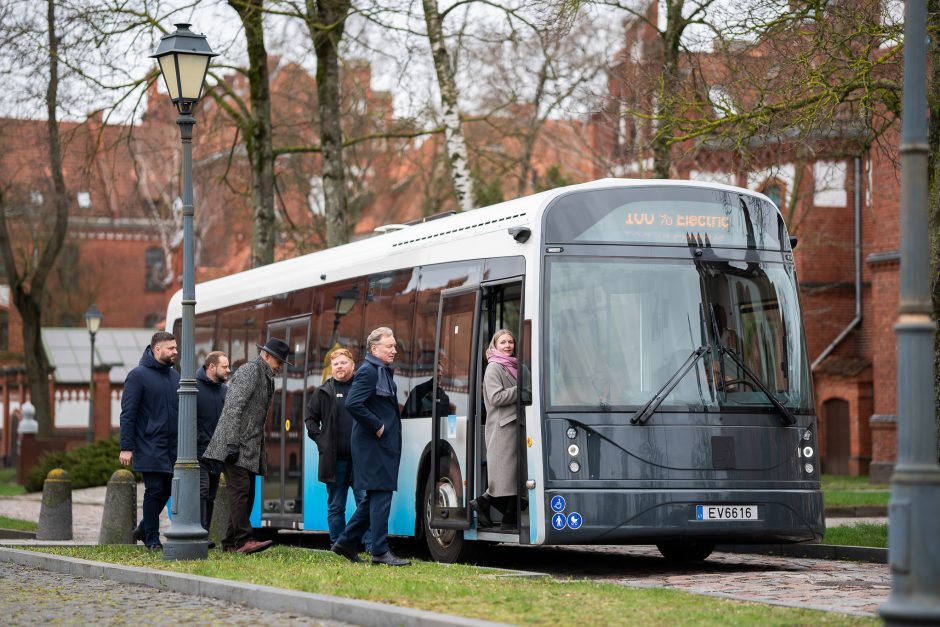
{"x":88,"y":466}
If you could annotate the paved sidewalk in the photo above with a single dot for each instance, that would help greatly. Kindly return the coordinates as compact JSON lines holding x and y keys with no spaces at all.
{"x":32,"y":596}
{"x":87,"y":508}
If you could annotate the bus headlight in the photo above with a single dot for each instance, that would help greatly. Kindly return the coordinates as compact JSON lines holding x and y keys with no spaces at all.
{"x":807,"y":451}
{"x":574,"y":466}
{"x":807,"y":435}
{"x":809,"y":468}
{"x":572,"y":433}
{"x":573,"y":450}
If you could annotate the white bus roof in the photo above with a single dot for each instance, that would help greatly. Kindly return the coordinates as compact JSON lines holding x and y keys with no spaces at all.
{"x":419,"y":244}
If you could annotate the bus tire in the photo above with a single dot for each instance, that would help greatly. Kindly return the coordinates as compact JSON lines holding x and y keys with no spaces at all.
{"x":688,"y":551}
{"x":444,"y":545}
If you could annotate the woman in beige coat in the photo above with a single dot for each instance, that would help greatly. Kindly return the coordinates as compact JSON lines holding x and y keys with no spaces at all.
{"x":499,"y":397}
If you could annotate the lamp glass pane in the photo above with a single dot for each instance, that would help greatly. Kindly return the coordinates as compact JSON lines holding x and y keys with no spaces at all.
{"x":93,"y":322}
{"x":192,"y":73}
{"x":168,"y":68}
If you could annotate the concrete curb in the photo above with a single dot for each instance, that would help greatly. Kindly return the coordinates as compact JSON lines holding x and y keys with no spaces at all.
{"x":259,"y":597}
{"x":812,"y":551}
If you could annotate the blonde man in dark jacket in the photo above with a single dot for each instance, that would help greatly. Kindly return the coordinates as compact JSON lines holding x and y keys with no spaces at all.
{"x":330,"y":426}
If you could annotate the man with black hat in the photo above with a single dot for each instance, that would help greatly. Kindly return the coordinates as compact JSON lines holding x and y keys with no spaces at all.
{"x":238,"y":441}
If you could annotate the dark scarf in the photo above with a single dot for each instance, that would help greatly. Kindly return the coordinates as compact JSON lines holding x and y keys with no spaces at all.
{"x":385,"y":385}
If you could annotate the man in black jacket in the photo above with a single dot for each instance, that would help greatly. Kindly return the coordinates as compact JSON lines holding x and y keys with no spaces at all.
{"x":210,"y":384}
{"x":149,"y":423}
{"x":330,"y":426}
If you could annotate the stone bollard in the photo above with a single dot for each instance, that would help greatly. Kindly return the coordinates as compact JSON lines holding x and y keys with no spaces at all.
{"x":219,"y":524}
{"x":55,"y":514}
{"x":120,"y":509}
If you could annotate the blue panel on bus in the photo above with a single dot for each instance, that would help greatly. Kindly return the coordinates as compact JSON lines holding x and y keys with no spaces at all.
{"x":559,"y":521}
{"x":558,"y":503}
{"x":575,"y":520}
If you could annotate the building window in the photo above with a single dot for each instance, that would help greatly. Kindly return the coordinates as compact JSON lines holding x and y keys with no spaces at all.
{"x":774,"y":193}
{"x":156,"y":269}
{"x":84,"y":200}
{"x":4,"y":331}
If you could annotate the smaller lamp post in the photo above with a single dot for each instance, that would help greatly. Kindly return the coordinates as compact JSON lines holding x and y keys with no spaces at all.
{"x":93,"y":319}
{"x":184,"y":61}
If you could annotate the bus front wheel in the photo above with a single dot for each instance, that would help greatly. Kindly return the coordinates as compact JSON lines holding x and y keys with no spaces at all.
{"x":445,"y":545}
{"x":688,"y":551}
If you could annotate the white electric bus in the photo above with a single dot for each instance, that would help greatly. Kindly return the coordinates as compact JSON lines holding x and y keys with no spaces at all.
{"x":668,"y":393}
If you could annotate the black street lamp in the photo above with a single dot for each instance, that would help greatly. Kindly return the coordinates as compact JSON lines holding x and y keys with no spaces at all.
{"x":914,"y":508}
{"x":93,"y":319}
{"x":184,"y":60}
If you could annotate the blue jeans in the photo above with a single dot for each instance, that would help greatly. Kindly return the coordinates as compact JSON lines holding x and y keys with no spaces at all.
{"x":156,"y":493}
{"x":371,"y":515}
{"x":336,"y":494}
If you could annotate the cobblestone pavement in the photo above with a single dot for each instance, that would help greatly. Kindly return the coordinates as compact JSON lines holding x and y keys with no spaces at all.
{"x":837,"y":586}
{"x":30,"y":596}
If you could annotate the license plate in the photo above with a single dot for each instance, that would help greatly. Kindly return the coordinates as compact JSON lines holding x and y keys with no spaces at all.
{"x":726,"y":512}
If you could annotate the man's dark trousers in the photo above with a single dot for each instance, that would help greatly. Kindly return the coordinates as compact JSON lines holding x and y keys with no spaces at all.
{"x":371,"y":513}
{"x":241,"y":498}
{"x":336,"y":495}
{"x":157,"y":486}
{"x":208,"y":487}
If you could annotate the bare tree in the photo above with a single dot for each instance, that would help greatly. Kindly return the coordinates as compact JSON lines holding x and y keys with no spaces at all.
{"x":27,"y":270}
{"x":453,"y":132}
{"x":256,"y":129}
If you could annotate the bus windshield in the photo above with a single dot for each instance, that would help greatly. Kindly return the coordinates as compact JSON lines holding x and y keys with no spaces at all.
{"x":619,"y":329}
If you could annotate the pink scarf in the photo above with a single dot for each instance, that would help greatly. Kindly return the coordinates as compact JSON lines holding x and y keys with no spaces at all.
{"x":511,"y":364}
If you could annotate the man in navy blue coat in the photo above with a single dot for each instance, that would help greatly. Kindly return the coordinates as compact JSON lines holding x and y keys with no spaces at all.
{"x":149,"y":423}
{"x":376,"y":450}
{"x":211,"y":388}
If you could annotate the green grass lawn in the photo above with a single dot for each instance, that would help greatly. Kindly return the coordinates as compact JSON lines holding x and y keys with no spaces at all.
{"x":470,"y":591}
{"x":861,"y":534}
{"x":841,"y":491}
{"x":16,"y":523}
{"x":8,"y":484}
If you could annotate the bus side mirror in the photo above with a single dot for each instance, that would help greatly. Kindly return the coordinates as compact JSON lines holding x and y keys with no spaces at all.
{"x":794,"y":240}
{"x":520,"y":233}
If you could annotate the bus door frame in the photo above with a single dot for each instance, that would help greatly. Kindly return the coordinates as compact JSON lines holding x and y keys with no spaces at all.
{"x":522,"y":333}
{"x":282,"y":518}
{"x":455,"y":517}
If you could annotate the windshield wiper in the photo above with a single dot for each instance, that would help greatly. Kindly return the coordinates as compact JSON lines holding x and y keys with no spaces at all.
{"x":785,"y":413}
{"x":644,"y":413}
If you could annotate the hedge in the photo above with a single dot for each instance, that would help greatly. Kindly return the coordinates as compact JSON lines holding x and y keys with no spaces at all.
{"x":88,"y":466}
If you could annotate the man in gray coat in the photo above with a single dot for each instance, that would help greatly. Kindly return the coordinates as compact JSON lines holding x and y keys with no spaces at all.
{"x":238,"y":441}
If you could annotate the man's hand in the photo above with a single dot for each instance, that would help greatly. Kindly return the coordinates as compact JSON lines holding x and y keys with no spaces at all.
{"x":379,"y":433}
{"x":125,"y":457}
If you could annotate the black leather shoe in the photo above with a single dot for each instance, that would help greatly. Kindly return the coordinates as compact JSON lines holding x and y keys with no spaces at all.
{"x":155,"y":547}
{"x":211,"y":545}
{"x":389,"y":559}
{"x":138,"y":533}
{"x":349,"y":554}
{"x":481,"y":506}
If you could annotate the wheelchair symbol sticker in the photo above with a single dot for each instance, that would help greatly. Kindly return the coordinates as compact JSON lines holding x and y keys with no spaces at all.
{"x":574,"y":520}
{"x":558,"y":503}
{"x":558,"y":521}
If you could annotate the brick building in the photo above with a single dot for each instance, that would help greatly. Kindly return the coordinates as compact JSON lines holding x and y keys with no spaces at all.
{"x":839,"y":195}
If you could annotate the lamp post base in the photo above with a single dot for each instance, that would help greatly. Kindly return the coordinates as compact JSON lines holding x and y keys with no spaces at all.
{"x":185,"y":550}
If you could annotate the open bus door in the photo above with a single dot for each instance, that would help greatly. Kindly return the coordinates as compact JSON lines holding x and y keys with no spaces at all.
{"x":282,"y":489}
{"x":453,"y":435}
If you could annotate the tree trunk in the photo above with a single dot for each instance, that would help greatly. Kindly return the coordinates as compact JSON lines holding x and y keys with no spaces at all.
{"x":326,"y":20}
{"x":664,"y":114}
{"x":454,"y":141}
{"x":28,"y":290}
{"x":258,"y":140}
